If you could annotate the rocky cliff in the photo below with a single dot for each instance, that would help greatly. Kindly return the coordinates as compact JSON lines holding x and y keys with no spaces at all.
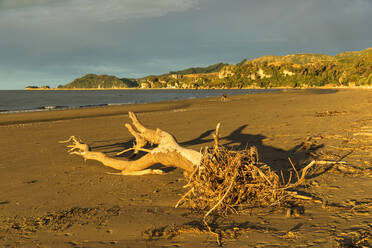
{"x":296,"y":70}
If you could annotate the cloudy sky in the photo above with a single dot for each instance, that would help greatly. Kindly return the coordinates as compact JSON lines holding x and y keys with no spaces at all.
{"x":55,"y":41}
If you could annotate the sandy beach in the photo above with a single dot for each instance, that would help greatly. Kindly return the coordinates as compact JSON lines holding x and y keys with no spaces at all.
{"x":49,"y":198}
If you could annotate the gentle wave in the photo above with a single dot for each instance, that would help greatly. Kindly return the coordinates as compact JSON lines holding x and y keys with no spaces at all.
{"x":18,"y":101}
{"x":52,"y":108}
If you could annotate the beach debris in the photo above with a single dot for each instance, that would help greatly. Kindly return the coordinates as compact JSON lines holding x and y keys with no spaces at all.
{"x":229,"y":181}
{"x":227,"y":230}
{"x":168,"y":152}
{"x":60,"y":220}
{"x":358,"y":237}
{"x":329,"y":113}
{"x":219,"y":180}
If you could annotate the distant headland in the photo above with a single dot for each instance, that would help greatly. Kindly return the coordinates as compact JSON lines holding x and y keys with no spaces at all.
{"x":346,"y":69}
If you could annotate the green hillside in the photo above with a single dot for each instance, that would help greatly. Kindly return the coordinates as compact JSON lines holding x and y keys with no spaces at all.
{"x":302,"y":70}
{"x":296,"y":70}
{"x":302,"y":59}
{"x":100,"y":81}
{"x":197,"y":70}
{"x":349,"y":57}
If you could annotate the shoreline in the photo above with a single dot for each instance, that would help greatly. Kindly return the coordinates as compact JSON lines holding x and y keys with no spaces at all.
{"x":51,"y":107}
{"x":243,"y":88}
{"x":58,"y":107}
{"x":87,"y":112}
{"x":145,"y":98}
{"x":44,"y":115}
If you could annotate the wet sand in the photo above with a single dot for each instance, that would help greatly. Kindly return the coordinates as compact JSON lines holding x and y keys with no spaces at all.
{"x":51,"y":199}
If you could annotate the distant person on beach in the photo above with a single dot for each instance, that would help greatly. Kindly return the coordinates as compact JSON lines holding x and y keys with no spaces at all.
{"x":223,"y":98}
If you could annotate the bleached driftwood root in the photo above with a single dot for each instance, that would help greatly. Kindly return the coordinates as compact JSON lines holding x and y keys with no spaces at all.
{"x":168,"y":152}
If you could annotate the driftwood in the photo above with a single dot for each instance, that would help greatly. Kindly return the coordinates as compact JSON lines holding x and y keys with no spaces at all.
{"x":229,"y":181}
{"x":168,"y":152}
{"x":219,"y":180}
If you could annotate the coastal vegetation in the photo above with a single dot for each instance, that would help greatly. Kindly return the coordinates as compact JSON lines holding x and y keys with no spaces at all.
{"x":195,"y":70}
{"x":296,"y":70}
{"x":32,"y":87}
{"x":94,"y":81}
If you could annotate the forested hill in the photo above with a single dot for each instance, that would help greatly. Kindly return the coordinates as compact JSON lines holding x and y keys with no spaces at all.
{"x":344,"y":69}
{"x":94,"y":81}
{"x":297,"y":70}
{"x":197,"y":70}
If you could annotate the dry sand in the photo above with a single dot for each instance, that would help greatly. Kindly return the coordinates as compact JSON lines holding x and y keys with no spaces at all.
{"x":51,"y":199}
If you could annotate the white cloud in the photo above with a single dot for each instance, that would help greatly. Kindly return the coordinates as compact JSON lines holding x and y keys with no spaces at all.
{"x":13,"y":4}
{"x":88,"y":10}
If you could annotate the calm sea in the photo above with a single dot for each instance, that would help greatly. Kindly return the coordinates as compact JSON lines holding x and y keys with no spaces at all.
{"x":12,"y":101}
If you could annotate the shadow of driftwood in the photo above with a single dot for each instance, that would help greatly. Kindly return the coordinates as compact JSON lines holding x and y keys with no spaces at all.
{"x":330,"y":166}
{"x":115,"y":147}
{"x":275,"y":157}
{"x":203,"y":138}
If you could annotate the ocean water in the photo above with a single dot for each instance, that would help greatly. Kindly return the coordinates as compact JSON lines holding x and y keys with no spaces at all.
{"x":12,"y":101}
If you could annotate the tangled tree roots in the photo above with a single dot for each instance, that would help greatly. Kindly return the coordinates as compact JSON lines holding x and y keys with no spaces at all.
{"x":231,"y":181}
